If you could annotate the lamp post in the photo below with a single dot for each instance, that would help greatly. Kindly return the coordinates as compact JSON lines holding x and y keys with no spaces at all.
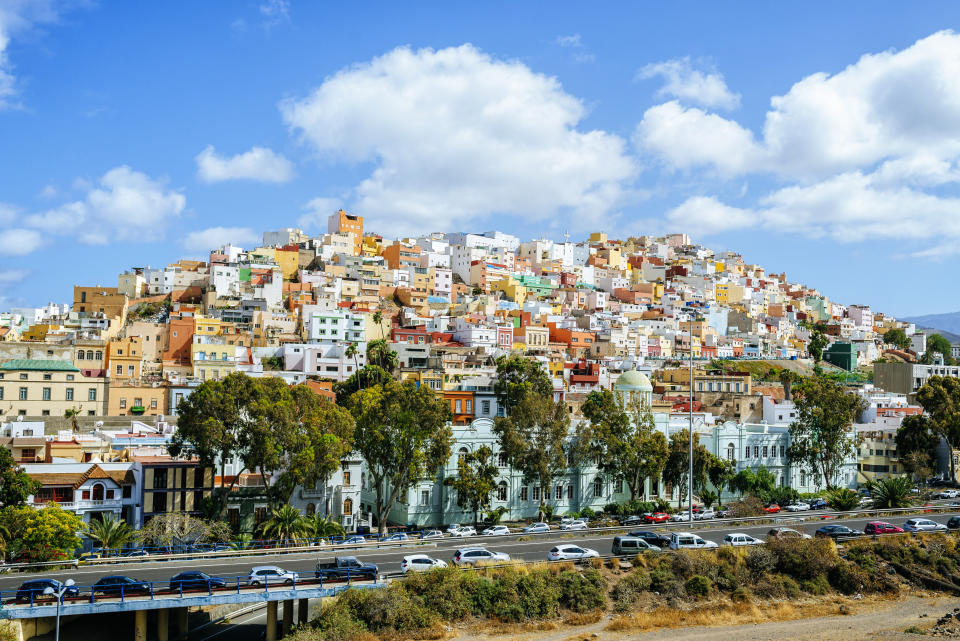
{"x":690,"y":440}
{"x":59,"y":593}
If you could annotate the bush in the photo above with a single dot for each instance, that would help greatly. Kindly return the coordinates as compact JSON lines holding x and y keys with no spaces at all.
{"x":804,"y":558}
{"x":582,"y":592}
{"x":587,"y":513}
{"x":698,"y":586}
{"x":741,"y":595}
{"x":746,"y":507}
{"x":777,"y":586}
{"x":664,"y":581}
{"x":629,"y":588}
{"x":817,"y":585}
{"x":520,"y":597}
{"x":760,"y":561}
{"x":849,"y":579}
{"x":842,"y":499}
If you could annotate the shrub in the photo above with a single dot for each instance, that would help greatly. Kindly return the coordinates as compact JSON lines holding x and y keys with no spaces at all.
{"x":746,"y":507}
{"x":777,"y":586}
{"x":698,"y":586}
{"x":804,"y":558}
{"x":587,"y":513}
{"x":582,"y":592}
{"x":817,"y":585}
{"x":760,"y":561}
{"x":629,"y":588}
{"x":741,"y":595}
{"x":842,"y":499}
{"x":850,"y":579}
{"x":520,"y":597}
{"x":664,"y":581}
{"x":337,"y":623}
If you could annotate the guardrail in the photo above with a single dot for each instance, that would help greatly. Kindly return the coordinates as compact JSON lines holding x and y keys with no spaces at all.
{"x":176,"y":589}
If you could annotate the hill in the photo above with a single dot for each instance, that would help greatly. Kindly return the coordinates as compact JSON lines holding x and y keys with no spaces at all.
{"x":947,"y":324}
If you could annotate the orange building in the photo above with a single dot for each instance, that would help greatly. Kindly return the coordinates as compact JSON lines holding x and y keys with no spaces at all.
{"x":461,"y":406}
{"x":343,"y":223}
{"x":399,"y":256}
{"x":181,"y":338}
{"x":574,"y":339}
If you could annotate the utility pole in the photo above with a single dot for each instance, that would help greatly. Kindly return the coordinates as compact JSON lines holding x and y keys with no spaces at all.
{"x":690,"y":407}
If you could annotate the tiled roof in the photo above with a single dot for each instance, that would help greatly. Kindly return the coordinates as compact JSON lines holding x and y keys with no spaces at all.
{"x":37,"y":364}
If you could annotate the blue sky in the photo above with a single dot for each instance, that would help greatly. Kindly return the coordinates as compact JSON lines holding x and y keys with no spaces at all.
{"x":819,"y":139}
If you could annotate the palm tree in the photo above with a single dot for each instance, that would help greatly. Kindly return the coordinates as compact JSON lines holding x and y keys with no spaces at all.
{"x":378,"y":319}
{"x":379,"y":353}
{"x":321,"y":527}
{"x":72,"y":414}
{"x":351,"y":352}
{"x":285,"y":523}
{"x":243,"y":540}
{"x":110,"y":532}
{"x":891,"y":492}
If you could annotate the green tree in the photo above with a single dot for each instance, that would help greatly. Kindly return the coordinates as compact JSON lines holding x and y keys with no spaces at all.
{"x":321,"y":527}
{"x":842,"y":499}
{"x":351,"y":352}
{"x":676,"y":471}
{"x":891,"y":492}
{"x":73,"y":413}
{"x":402,"y":433}
{"x":475,"y":481}
{"x":110,"y":533}
{"x":818,"y":341}
{"x":179,"y":528}
{"x":940,"y":345}
{"x":15,"y":484}
{"x":623,"y":437}
{"x":47,"y":534}
{"x":940,"y":399}
{"x":378,"y":319}
{"x":285,"y":524}
{"x":759,"y":482}
{"x":533,"y":437}
{"x":518,"y":377}
{"x":787,"y":378}
{"x":896,"y":337}
{"x":380,"y":354}
{"x":916,"y":444}
{"x":367,"y":376}
{"x":821,"y":437}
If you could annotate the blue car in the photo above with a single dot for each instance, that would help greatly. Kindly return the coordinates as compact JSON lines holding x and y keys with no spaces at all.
{"x":196,"y":581}
{"x":818,"y":504}
{"x":33,"y":590}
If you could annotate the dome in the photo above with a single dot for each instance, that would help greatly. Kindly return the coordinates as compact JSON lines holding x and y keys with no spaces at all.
{"x":633,"y":381}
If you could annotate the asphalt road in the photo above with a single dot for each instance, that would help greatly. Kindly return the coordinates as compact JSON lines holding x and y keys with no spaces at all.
{"x":388,"y":558}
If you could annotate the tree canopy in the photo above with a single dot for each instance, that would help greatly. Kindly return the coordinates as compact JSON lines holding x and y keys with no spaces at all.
{"x":15,"y":484}
{"x":676,"y":471}
{"x":896,"y":337}
{"x":475,"y":481}
{"x":818,"y":341}
{"x":518,"y":377}
{"x":937,"y":344}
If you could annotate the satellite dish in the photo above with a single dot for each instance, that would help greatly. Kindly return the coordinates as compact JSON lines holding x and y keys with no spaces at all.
{"x":19,"y":418}
{"x":98,"y":424}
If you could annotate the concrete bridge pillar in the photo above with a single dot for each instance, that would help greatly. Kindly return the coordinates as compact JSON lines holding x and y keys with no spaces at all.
{"x":271,"y":621}
{"x":163,"y":625}
{"x":303,"y":611}
{"x":287,"y":616}
{"x":183,"y":625}
{"x":140,"y":625}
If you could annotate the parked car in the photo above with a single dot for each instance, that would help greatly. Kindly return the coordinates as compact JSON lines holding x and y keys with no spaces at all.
{"x":881,"y":527}
{"x":570,"y":552}
{"x":352,"y":540}
{"x":653,"y":538}
{"x":738,"y":539}
{"x":118,"y":584}
{"x":578,"y":524}
{"x":193,"y":580}
{"x":703,"y":515}
{"x":453,"y":527}
{"x":923,"y":525}
{"x":464,"y":530}
{"x":431,"y":534}
{"x":271,"y":575}
{"x":136,"y":553}
{"x":420,"y":563}
{"x":954,"y":523}
{"x":631,"y":546}
{"x":818,"y":504}
{"x":689,"y":541}
{"x":633,"y":519}
{"x":656,"y":517}
{"x":786,"y":533}
{"x":773,"y":508}
{"x":496,"y":530}
{"x":723,"y":513}
{"x":680,"y":516}
{"x":475,"y":555}
{"x":836,"y":532}
{"x":345,"y":567}
{"x":395,"y":538}
{"x":945,"y":494}
{"x":536,"y":528}
{"x":799,"y":506}
{"x":33,"y":590}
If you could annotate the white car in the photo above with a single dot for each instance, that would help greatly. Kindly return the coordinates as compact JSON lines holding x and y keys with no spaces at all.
{"x":431,"y":534}
{"x":569,"y":552}
{"x":689,"y":541}
{"x":420,"y":563}
{"x":395,"y":538}
{"x":680,"y":516}
{"x":705,"y":514}
{"x":536,"y":528}
{"x":453,"y":527}
{"x":464,"y":530}
{"x":579,"y":524}
{"x":797,"y":507}
{"x":923,"y":525}
{"x":352,"y":540}
{"x":738,"y":539}
{"x":496,"y":530}
{"x":475,"y":555}
{"x":271,"y":575}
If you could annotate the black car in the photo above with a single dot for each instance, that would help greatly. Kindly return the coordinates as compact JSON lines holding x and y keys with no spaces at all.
{"x":652,"y":538}
{"x":836,"y":531}
{"x":954,"y":522}
{"x":34,"y":589}
{"x":119,"y":584}
{"x":631,"y":520}
{"x":196,"y":581}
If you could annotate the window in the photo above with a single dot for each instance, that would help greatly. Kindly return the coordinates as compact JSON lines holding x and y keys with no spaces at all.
{"x":502,"y":491}
{"x":153,"y":403}
{"x":198,"y":477}
{"x":731,"y":452}
{"x":46,"y":393}
{"x":80,"y":355}
{"x":346,"y":477}
{"x":570,"y":492}
{"x":469,"y":406}
{"x":23,"y":377}
{"x":159,"y":501}
{"x":598,"y":488}
{"x":424,"y":497}
{"x":160,"y":478}
{"x":130,"y":369}
{"x":1,"y":393}
{"x":23,"y":393}
{"x":756,"y":451}
{"x":746,"y":452}
{"x":348,"y":506}
{"x":536,"y":493}
{"x":501,"y":457}
{"x":119,"y":370}
{"x":558,"y":492}
{"x":99,"y":356}
{"x":123,"y":403}
{"x":618,"y":486}
{"x":764,"y":451}
{"x":783,"y":451}
{"x":459,"y":407}
{"x":47,"y":377}
{"x":523,"y":493}
{"x":462,"y":454}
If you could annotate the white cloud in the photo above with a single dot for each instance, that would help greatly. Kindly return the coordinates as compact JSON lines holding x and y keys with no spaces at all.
{"x":260,"y":164}
{"x":688,"y":137}
{"x":569,"y":41}
{"x":19,"y":242}
{"x":205,"y":240}
{"x":317,"y":212}
{"x":125,"y":205}
{"x":465,"y":136}
{"x":705,"y":215}
{"x":274,"y":12}
{"x":9,"y":276}
{"x":16,"y":18}
{"x":8,"y":213}
{"x":683,"y":81}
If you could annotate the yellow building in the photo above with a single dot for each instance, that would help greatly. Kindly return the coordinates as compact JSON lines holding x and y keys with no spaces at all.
{"x":598,"y":237}
{"x":288,"y":261}
{"x":125,"y":358}
{"x":37,"y":387}
{"x":511,"y":288}
{"x":39,"y":332}
{"x":536,"y":337}
{"x":877,"y":455}
{"x":129,"y":399}
{"x":213,"y":351}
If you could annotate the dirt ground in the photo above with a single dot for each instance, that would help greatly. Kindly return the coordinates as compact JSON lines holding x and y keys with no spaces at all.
{"x":880,"y":621}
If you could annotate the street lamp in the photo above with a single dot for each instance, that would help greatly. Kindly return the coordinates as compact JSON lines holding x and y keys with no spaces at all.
{"x":63,"y":590}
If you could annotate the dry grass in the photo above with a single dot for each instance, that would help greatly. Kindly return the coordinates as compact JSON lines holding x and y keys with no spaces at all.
{"x":614,"y":564}
{"x":727,"y":613}
{"x":585,"y":618}
{"x":433,"y":633}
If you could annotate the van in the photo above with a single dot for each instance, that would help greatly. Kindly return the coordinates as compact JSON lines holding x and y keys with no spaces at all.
{"x":688,"y":541}
{"x":631,"y":546}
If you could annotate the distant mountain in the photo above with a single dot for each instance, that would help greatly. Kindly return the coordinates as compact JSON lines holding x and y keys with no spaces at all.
{"x":943,"y":323}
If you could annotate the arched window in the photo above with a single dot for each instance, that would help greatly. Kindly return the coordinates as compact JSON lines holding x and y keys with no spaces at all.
{"x":363,"y":483}
{"x":462,"y":454}
{"x":90,"y":355}
{"x":502,"y":491}
{"x":99,"y":355}
{"x":501,"y":459}
{"x":80,"y":354}
{"x":347,"y":507}
{"x":598,"y":487}
{"x":731,"y":452}
{"x":98,"y":492}
{"x":311,"y":509}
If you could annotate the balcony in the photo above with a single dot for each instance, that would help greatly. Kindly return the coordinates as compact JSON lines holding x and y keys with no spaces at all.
{"x":90,"y":504}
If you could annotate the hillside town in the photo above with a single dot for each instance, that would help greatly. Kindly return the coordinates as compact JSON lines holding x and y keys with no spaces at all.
{"x":91,"y":390}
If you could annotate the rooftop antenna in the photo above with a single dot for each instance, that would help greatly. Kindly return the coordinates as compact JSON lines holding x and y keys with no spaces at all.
{"x":566,"y":236}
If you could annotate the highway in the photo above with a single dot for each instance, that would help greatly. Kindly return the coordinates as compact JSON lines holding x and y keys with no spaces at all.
{"x":388,"y":558}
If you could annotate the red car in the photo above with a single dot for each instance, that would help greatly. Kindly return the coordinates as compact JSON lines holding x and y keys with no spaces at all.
{"x":879,"y":527}
{"x":659,"y":517}
{"x":773,"y":508}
